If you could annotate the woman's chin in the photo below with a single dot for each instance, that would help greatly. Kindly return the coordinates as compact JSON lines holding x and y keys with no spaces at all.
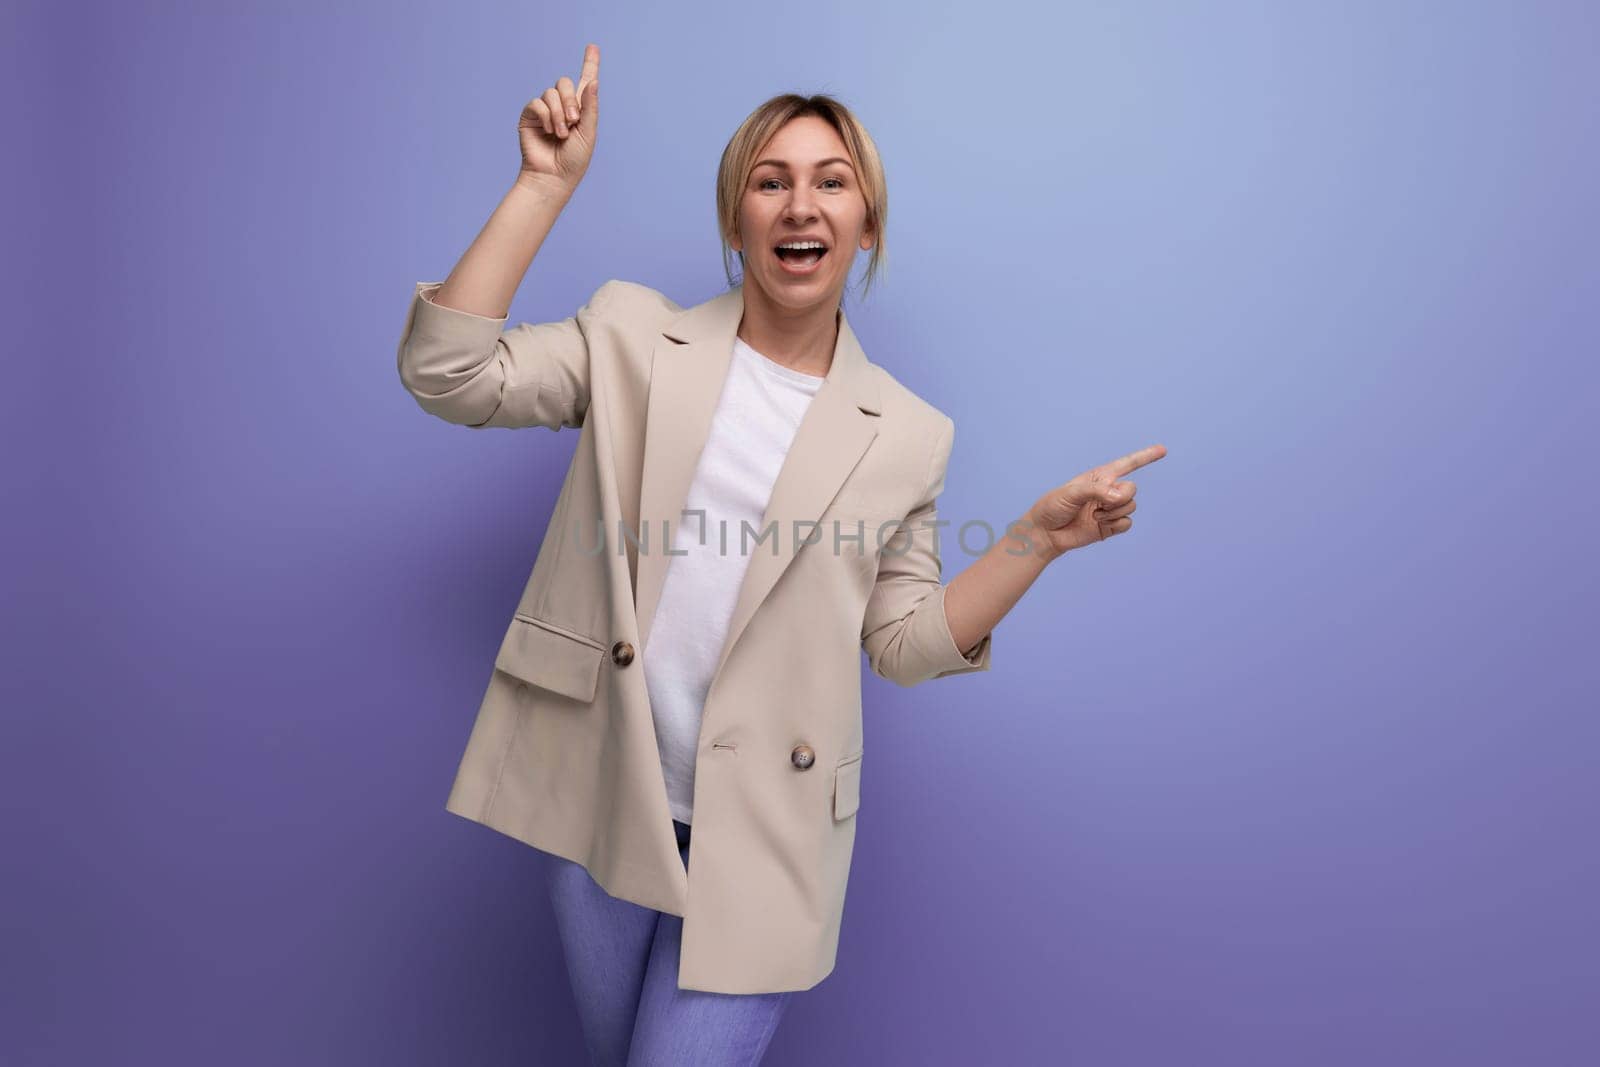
{"x":801,"y":289}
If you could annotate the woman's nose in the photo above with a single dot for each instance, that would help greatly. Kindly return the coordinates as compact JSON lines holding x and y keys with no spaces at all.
{"x":800,"y":209}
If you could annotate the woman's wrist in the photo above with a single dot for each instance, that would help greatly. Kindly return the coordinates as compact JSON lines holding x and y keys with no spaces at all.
{"x":544,"y":186}
{"x":1031,"y":540}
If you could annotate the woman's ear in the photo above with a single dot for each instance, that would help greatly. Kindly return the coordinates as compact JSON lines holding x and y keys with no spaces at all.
{"x":735,"y":243}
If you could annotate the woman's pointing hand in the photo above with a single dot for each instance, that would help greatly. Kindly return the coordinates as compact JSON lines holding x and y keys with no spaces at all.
{"x":557,"y":128}
{"x":1091,"y":507}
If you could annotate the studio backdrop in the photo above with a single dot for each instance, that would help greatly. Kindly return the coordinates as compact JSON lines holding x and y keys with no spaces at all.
{"x":1300,"y":770}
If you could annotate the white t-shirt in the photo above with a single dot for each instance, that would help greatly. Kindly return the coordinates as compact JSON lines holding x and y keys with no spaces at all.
{"x":757,"y":415}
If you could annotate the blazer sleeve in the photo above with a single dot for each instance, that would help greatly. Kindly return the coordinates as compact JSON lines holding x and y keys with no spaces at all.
{"x":905,"y":633}
{"x":472,"y":370}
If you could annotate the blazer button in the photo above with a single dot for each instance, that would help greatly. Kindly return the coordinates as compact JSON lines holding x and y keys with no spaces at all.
{"x":622,"y":653}
{"x":802,"y":756}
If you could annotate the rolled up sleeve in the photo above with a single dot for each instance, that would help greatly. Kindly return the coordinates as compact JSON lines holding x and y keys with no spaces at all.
{"x":472,"y":370}
{"x":905,"y":633}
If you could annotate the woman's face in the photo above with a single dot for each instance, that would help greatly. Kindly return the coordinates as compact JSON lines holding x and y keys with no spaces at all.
{"x":802,"y":187}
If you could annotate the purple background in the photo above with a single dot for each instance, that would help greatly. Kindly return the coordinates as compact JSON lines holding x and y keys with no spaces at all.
{"x":1302,"y":770}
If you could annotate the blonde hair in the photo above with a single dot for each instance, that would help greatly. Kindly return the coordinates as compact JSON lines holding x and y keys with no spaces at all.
{"x":739,"y":157}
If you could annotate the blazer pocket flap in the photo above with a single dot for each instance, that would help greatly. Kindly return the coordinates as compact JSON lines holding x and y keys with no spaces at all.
{"x":847,"y":787}
{"x":552,"y":658}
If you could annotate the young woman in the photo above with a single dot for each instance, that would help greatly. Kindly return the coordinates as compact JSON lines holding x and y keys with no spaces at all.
{"x":743,"y":712}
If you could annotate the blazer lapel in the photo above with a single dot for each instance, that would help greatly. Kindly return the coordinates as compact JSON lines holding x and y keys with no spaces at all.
{"x":689,"y":365}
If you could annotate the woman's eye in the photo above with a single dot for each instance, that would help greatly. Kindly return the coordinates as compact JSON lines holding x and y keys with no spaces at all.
{"x":766,"y":183}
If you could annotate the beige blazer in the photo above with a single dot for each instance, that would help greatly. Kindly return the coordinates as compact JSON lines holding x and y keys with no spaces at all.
{"x":563,"y":752}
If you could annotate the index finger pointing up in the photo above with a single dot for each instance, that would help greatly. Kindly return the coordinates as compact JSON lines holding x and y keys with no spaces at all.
{"x":1134,"y":460}
{"x":591,"y":67}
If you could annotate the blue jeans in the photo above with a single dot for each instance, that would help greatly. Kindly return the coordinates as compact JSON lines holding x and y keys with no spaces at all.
{"x":623,"y":962}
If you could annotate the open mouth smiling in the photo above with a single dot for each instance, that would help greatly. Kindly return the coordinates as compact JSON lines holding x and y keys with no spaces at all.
{"x":801,"y":256}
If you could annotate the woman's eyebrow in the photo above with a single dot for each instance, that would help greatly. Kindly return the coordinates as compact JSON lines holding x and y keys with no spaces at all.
{"x":780,"y":164}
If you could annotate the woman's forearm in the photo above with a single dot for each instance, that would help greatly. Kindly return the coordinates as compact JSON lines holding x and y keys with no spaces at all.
{"x":980,"y":596}
{"x":487,"y":277}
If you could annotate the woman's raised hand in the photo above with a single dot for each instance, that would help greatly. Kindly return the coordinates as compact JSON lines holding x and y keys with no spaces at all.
{"x":1091,"y":507}
{"x":557,"y":129}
